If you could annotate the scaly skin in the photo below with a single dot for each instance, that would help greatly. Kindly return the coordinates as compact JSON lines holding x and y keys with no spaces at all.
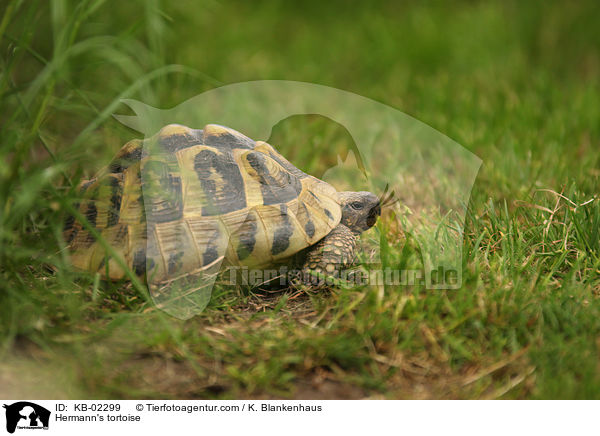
{"x":327,"y":258}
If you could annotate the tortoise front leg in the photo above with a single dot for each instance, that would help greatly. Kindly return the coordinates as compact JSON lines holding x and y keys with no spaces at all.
{"x":327,"y":258}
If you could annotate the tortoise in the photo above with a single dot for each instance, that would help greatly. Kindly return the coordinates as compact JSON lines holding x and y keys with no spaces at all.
{"x":230,"y":196}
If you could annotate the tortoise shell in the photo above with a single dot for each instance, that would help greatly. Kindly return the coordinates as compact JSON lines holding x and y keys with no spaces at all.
{"x":185,"y":198}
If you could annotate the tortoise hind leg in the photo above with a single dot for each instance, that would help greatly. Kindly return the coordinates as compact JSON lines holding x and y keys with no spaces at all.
{"x":327,"y":258}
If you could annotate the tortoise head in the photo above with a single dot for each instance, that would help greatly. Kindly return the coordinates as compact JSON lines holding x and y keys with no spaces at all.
{"x":359,"y":210}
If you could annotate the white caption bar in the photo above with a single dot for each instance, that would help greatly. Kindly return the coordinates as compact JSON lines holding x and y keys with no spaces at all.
{"x":166,"y":417}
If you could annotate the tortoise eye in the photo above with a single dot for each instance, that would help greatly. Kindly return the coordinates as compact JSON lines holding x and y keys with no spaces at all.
{"x":356,"y":205}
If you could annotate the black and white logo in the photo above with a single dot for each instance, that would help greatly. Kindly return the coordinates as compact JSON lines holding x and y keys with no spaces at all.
{"x":26,"y":415}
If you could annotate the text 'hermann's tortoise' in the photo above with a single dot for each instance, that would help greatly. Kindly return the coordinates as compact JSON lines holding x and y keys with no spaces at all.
{"x":229,"y":197}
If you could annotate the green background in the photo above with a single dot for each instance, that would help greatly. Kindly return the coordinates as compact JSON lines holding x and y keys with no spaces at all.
{"x":517,"y":83}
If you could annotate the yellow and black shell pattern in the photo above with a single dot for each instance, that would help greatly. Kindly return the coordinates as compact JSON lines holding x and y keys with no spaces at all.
{"x":229,"y":198}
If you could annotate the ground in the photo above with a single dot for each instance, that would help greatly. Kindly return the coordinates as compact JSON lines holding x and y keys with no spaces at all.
{"x":517,"y":84}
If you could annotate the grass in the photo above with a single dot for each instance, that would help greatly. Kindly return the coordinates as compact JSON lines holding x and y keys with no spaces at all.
{"x":517,"y":84}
